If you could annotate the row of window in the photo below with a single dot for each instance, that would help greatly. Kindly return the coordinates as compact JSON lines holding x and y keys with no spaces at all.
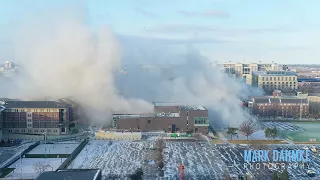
{"x":278,"y":78}
{"x":282,"y":104}
{"x":30,"y":131}
{"x":280,"y":83}
{"x":32,"y":110}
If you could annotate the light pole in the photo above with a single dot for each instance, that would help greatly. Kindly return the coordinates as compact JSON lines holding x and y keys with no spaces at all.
{"x":300,"y":109}
{"x":45,"y":144}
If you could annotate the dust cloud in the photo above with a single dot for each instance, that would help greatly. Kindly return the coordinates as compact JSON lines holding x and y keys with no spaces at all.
{"x":61,"y":56}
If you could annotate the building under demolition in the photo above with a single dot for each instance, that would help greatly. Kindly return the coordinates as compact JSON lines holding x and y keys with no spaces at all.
{"x":168,"y":117}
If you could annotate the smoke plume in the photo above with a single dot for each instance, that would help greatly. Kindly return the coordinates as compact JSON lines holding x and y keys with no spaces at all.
{"x":62,"y":56}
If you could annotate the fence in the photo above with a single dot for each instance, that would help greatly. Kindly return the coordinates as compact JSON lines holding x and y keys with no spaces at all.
{"x":17,"y":156}
{"x":73,"y":155}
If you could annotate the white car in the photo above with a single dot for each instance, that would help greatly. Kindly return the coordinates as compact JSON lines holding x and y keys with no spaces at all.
{"x":305,"y":148}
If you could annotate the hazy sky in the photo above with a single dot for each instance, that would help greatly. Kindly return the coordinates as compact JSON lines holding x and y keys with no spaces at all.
{"x":284,"y":31}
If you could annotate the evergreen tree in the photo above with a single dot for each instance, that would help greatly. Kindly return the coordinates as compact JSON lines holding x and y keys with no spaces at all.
{"x":275,"y":176}
{"x":284,"y":175}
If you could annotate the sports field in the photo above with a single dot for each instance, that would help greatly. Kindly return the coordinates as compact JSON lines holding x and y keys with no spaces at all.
{"x":312,"y":131}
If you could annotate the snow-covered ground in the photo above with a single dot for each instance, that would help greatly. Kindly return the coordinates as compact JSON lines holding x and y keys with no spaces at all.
{"x":283,"y":126}
{"x":8,"y":153}
{"x":203,"y":161}
{"x":57,"y":148}
{"x":113,"y":157}
{"x":26,"y":167}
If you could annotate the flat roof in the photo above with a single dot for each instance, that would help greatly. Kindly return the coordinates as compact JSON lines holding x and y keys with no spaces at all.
{"x":128,"y":116}
{"x":181,"y":106}
{"x":286,"y":100}
{"x":34,"y":104}
{"x":72,"y":174}
{"x":275,"y":73}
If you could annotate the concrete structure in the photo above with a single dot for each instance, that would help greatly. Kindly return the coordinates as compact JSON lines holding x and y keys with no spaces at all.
{"x":71,"y":174}
{"x":118,"y":135}
{"x":168,"y":117}
{"x":35,"y":117}
{"x":245,"y":70}
{"x":275,"y":80}
{"x":288,"y":107}
{"x":309,"y":82}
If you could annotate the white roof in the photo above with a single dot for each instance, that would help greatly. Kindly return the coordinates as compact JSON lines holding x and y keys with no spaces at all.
{"x":189,"y":107}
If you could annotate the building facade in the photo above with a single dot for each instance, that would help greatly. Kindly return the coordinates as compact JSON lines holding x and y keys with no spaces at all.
{"x":168,"y":117}
{"x":275,"y":80}
{"x":244,"y":70}
{"x":35,"y":117}
{"x":286,"y":107}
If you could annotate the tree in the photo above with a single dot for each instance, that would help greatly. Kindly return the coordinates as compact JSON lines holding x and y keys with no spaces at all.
{"x":160,"y":145}
{"x":274,"y":133}
{"x":41,"y":167}
{"x":137,"y":175}
{"x":284,"y":175}
{"x":248,"y":128}
{"x":267,"y":133}
{"x":275,"y":176}
{"x":231,"y":131}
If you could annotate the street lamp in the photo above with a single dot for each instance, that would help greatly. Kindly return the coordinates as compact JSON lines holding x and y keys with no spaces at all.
{"x":45,"y":143}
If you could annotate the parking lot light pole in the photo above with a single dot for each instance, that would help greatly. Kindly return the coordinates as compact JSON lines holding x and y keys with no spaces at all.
{"x":45,"y":144}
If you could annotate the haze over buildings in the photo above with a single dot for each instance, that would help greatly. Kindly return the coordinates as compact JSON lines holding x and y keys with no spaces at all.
{"x":67,"y":58}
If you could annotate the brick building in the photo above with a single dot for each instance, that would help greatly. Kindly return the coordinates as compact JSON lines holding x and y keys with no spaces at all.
{"x":169,"y":117}
{"x":287,"y":107}
{"x":36,"y":117}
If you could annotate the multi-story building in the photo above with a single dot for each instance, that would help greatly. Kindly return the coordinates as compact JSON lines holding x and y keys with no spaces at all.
{"x":272,"y":107}
{"x":1,"y":120}
{"x":169,"y":117}
{"x":36,"y":117}
{"x":245,"y":70}
{"x":275,"y":80}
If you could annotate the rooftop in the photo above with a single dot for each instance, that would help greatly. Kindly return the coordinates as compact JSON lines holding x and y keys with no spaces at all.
{"x":125,"y":116}
{"x":182,"y":107}
{"x":74,"y":174}
{"x":34,"y":104}
{"x":275,"y":73}
{"x":286,"y":100}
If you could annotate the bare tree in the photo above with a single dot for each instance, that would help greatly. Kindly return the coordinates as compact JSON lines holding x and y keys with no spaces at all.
{"x":40,"y":167}
{"x":160,"y":145}
{"x":248,"y":128}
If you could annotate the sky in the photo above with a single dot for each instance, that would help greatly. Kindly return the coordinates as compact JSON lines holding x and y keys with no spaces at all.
{"x":283,"y":31}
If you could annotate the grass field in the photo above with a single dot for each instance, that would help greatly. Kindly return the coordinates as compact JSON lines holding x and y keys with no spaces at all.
{"x":312,"y":130}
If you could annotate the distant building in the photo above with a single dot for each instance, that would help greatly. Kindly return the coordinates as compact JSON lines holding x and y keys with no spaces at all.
{"x":71,"y":174}
{"x":36,"y":117}
{"x":288,"y":107}
{"x":169,"y":117}
{"x":285,"y":68}
{"x":9,"y":65}
{"x":275,"y":80}
{"x":245,"y":70}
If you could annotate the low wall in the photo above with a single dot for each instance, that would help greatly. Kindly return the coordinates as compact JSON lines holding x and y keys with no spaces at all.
{"x":73,"y":155}
{"x":101,"y":135}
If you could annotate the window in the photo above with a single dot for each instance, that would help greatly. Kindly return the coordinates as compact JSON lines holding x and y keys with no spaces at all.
{"x":149,"y":121}
{"x":201,"y":120}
